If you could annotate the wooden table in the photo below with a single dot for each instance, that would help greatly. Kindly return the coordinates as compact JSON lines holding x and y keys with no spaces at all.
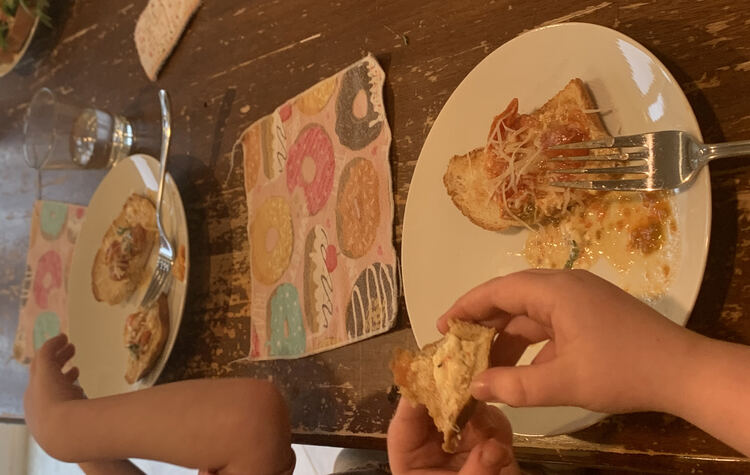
{"x":239,"y":60}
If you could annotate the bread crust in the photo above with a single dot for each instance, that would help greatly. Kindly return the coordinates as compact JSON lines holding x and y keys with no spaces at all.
{"x":414,"y":373}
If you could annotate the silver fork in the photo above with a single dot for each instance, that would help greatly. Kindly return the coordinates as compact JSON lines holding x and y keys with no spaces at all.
{"x":166,"y":253}
{"x":645,"y":162}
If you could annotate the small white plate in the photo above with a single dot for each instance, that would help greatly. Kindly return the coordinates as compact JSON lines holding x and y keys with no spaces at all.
{"x":444,"y":255}
{"x":5,"y":68}
{"x":96,"y":328}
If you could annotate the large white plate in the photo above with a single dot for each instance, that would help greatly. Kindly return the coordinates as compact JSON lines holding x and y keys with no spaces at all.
{"x":5,"y":68}
{"x":96,"y":328}
{"x":444,"y":254}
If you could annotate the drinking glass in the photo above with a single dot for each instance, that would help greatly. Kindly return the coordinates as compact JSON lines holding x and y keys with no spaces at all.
{"x":59,"y":135}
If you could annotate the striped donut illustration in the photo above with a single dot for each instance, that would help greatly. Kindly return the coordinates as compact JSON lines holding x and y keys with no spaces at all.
{"x":372,"y":305}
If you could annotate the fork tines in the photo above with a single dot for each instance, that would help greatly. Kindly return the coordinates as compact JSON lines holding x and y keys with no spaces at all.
{"x":634,"y":162}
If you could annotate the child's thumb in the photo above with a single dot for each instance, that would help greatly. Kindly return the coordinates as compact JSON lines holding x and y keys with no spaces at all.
{"x":542,"y":384}
{"x":487,"y":458}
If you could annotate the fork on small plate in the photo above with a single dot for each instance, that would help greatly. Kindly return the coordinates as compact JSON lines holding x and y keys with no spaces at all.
{"x":663,"y":160}
{"x":166,"y":254}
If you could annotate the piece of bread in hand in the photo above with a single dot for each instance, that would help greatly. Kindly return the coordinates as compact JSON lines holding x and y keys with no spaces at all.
{"x":120,"y":263}
{"x":439,"y":376}
{"x":145,"y":334}
{"x":475,"y":181}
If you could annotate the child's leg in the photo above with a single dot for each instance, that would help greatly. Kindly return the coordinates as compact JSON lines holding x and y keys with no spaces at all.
{"x":224,"y":425}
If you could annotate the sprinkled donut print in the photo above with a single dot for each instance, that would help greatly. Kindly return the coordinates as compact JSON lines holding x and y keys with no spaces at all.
{"x":272,"y":145}
{"x":357,"y":208}
{"x":52,"y":219}
{"x":313,"y":150}
{"x":286,"y":329}
{"x":271,"y":239}
{"x":357,"y":123}
{"x":315,"y":99}
{"x":48,"y":277}
{"x":372,"y":305}
{"x":317,"y":281}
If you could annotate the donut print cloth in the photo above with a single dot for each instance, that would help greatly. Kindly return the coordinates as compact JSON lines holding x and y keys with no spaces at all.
{"x":320,"y":218}
{"x":44,"y":304}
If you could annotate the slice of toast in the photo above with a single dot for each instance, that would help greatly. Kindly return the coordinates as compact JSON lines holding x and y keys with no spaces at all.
{"x":439,"y":376}
{"x":145,"y":335}
{"x":120,"y":263}
{"x":471,"y":179}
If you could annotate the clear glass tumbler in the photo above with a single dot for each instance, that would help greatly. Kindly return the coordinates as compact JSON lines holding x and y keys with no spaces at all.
{"x":59,"y":135}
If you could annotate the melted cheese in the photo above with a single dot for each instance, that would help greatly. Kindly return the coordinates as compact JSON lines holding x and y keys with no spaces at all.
{"x":636,"y":233}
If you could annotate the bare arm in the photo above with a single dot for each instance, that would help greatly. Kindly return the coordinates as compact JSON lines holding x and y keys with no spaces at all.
{"x":713,"y":391}
{"x":607,"y":352}
{"x":223,"y":425}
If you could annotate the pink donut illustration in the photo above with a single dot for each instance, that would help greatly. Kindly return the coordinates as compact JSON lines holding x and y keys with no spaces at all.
{"x":313,"y":146}
{"x":47,"y":278}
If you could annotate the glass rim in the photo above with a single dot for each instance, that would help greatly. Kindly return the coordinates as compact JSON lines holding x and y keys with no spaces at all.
{"x":34,"y":100}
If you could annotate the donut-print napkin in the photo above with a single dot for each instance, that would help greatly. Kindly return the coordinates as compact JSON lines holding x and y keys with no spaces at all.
{"x":320,"y":218}
{"x":44,"y":295}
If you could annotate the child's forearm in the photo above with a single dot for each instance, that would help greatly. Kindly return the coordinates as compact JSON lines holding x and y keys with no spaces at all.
{"x":207,"y":424}
{"x":712,"y":390}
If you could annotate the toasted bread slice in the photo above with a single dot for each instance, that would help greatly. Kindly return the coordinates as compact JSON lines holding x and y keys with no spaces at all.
{"x":473,"y":181}
{"x":145,"y":335}
{"x":439,"y":376}
{"x":120,"y":263}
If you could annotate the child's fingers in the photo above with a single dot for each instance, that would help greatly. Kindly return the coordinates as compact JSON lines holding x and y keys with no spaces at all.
{"x":50,"y":348}
{"x":65,"y":353}
{"x":544,"y":384}
{"x":530,"y":293}
{"x":513,"y":341}
{"x":72,"y":374}
{"x":487,"y":458}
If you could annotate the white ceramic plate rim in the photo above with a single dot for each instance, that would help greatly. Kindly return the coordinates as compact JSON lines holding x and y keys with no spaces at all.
{"x":8,"y":67}
{"x":107,"y":201}
{"x":413,"y":242}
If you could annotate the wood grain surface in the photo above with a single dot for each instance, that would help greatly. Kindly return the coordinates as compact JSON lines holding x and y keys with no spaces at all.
{"x":238,"y":60}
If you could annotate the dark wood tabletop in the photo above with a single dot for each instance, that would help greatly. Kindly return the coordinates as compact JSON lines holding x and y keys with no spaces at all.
{"x":238,"y":60}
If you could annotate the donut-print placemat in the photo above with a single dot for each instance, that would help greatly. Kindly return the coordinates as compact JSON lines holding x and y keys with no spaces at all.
{"x":44,"y":303}
{"x":320,"y":218}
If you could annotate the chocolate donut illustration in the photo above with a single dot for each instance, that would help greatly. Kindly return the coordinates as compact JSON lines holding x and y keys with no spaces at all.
{"x":372,"y":305}
{"x":356,"y":127}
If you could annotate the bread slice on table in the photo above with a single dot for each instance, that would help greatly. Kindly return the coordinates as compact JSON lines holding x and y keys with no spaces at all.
{"x":472,"y":180}
{"x":120,"y":263}
{"x":145,"y":335}
{"x":439,"y":376}
{"x":159,"y":29}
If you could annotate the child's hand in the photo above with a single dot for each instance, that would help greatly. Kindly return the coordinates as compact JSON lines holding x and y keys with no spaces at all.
{"x":607,"y":352}
{"x":49,"y":386}
{"x":414,"y":444}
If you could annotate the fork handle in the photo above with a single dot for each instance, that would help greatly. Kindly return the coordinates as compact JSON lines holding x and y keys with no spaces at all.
{"x":726,"y":149}
{"x":166,"y":134}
